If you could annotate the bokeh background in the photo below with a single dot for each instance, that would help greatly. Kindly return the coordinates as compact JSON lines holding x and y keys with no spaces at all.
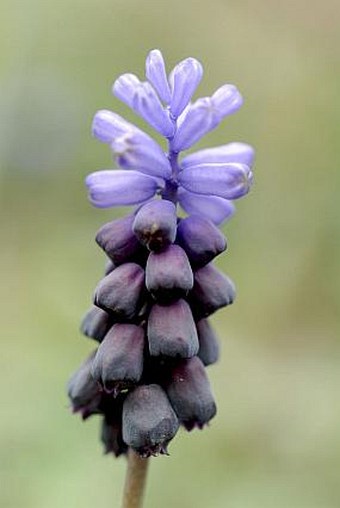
{"x":276,"y":439}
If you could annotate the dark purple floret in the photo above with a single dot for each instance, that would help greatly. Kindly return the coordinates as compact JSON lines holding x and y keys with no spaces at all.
{"x":155,"y":224}
{"x":83,"y":391}
{"x":172,"y":331}
{"x":118,"y":364}
{"x":111,"y":437}
{"x":209,"y":346}
{"x":149,"y":422}
{"x":96,"y":323}
{"x":189,"y":392}
{"x":212,"y":291}
{"x":201,"y":239}
{"x":168,"y":274}
{"x":121,"y":292}
{"x":117,"y":239}
{"x":111,"y":429}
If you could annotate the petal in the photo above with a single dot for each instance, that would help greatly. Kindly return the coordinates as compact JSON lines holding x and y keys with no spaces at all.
{"x":107,"y":125}
{"x":184,"y":80}
{"x":156,"y":74}
{"x":199,"y":119}
{"x":211,"y":207}
{"x":227,"y":99}
{"x":240,"y":153}
{"x":228,"y":181}
{"x":117,"y":188}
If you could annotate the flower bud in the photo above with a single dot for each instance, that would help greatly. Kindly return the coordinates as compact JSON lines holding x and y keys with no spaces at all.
{"x":189,"y":393}
{"x":201,"y":239}
{"x":117,"y":239}
{"x":209,"y":349}
{"x":172,"y":330}
{"x":155,"y":224}
{"x":121,"y":292}
{"x":83,"y":390}
{"x":96,"y":323}
{"x":118,"y":363}
{"x":212,"y":291}
{"x":168,"y":273}
{"x":149,"y":422}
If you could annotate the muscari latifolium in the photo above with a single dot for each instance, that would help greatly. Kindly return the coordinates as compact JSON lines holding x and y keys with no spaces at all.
{"x":150,"y":314}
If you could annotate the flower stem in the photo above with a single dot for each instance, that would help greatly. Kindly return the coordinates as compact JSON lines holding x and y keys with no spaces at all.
{"x":134,"y":480}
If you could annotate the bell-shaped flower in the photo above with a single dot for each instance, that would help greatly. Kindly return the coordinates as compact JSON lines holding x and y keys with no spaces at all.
{"x":149,"y":421}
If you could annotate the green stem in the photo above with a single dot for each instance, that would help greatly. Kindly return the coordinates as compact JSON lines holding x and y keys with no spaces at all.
{"x":134,"y":481}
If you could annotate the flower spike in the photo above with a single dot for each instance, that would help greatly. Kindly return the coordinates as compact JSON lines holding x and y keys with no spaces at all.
{"x":150,"y":315}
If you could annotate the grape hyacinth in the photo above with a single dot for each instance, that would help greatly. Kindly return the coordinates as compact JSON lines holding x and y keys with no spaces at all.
{"x":147,"y":376}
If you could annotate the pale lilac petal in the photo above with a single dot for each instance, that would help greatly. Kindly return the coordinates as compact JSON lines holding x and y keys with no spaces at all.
{"x":156,"y":74}
{"x":232,"y":152}
{"x":227,"y":99}
{"x":107,"y":125}
{"x":148,"y":106}
{"x":211,"y":207}
{"x":118,"y":187}
{"x":228,"y":181}
{"x":124,"y":88}
{"x":199,"y":119}
{"x":184,"y":80}
{"x":136,"y":150}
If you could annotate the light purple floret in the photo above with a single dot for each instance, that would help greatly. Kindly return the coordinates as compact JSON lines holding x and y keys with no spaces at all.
{"x":204,"y":182}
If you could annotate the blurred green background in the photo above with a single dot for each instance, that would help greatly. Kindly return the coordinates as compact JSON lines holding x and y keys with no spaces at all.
{"x":275,"y":442}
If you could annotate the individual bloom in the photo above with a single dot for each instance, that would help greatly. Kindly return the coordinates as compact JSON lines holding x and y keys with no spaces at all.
{"x":96,"y":323}
{"x":133,"y":148}
{"x":142,"y":98}
{"x":111,"y":436}
{"x":210,"y":207}
{"x":224,"y":180}
{"x":83,"y":391}
{"x":155,"y":224}
{"x":156,"y":74}
{"x":240,"y":153}
{"x":118,"y":188}
{"x":118,"y":363}
{"x":209,"y":349}
{"x":189,"y":392}
{"x":121,"y":292}
{"x":136,"y":150}
{"x":172,"y":331}
{"x":168,"y":274}
{"x":201,"y":239}
{"x":184,"y":79}
{"x":212,"y":290}
{"x":149,"y":422}
{"x":198,"y":119}
{"x":118,"y":240}
{"x":204,"y":115}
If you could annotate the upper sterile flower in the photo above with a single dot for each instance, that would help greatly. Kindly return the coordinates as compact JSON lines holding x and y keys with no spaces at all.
{"x":204,"y":182}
